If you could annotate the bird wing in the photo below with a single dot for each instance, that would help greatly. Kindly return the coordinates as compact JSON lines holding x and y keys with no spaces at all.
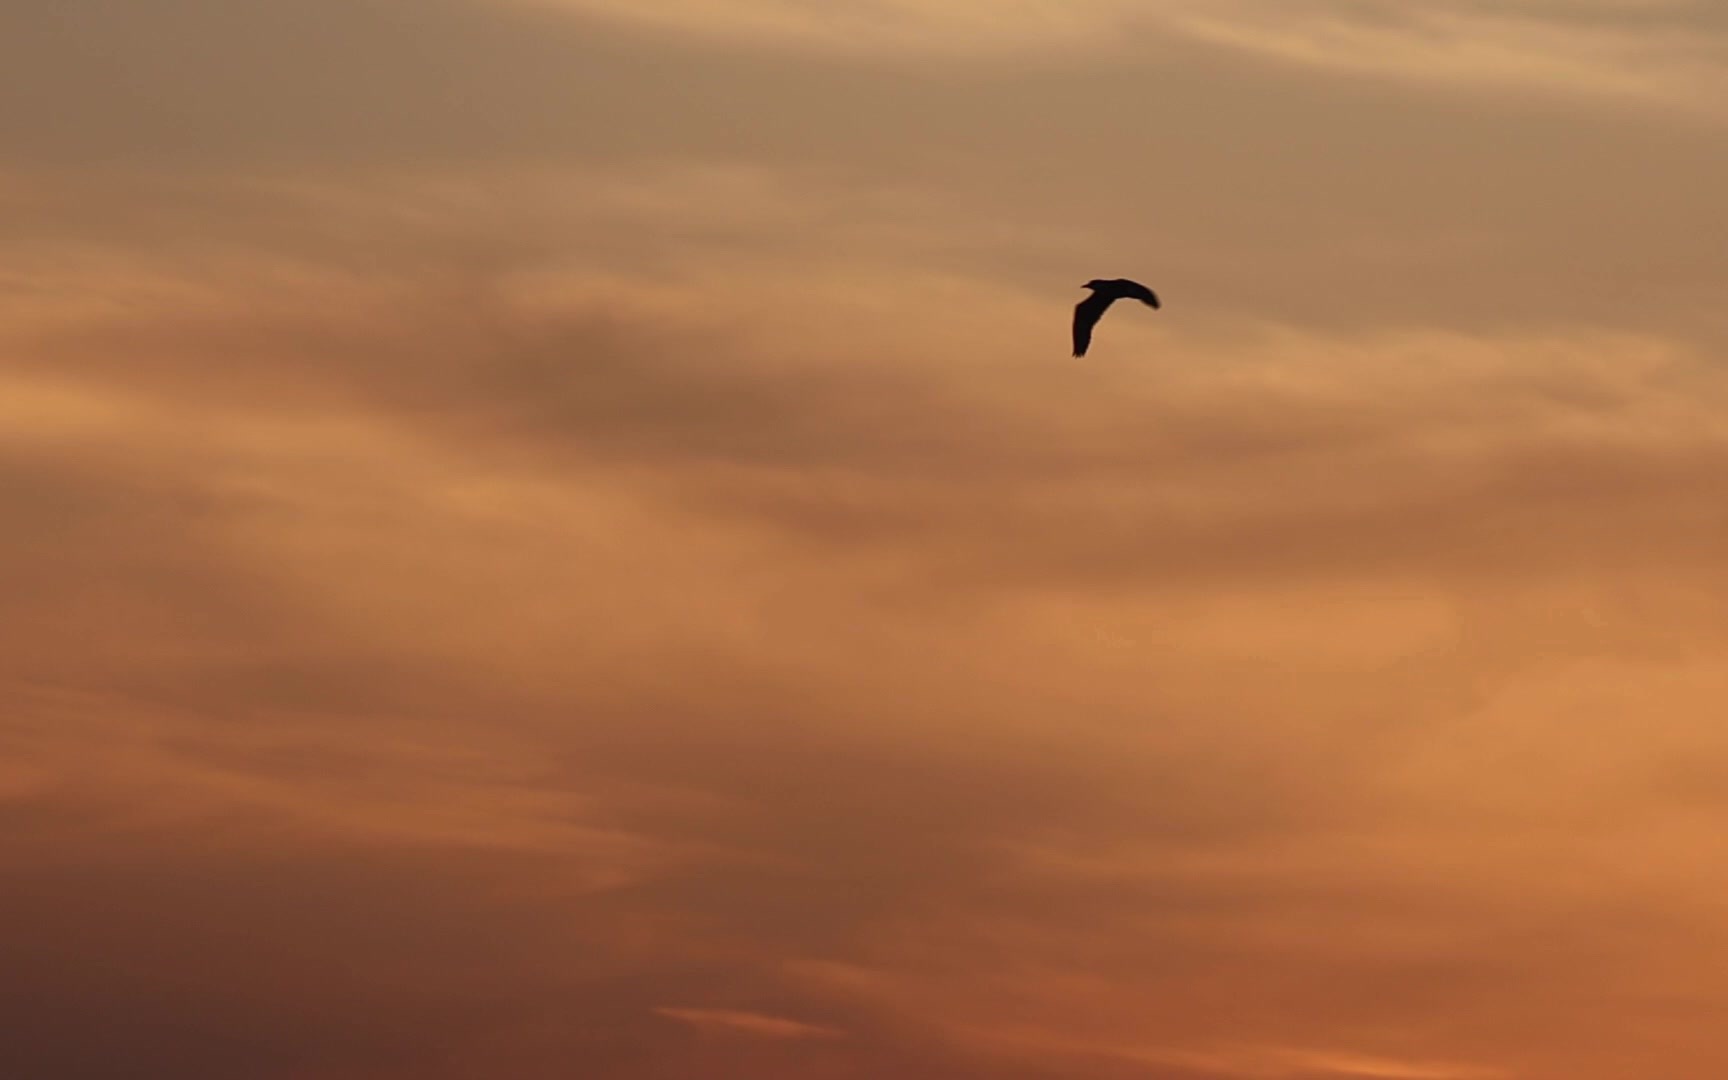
{"x":1086,"y":315}
{"x":1141,"y":293}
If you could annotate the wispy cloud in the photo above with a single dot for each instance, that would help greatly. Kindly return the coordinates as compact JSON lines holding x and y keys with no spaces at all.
{"x":918,"y":28}
{"x":1467,"y":46}
{"x":1652,"y":52}
{"x":1235,"y":1062}
{"x":753,"y":1024}
{"x":1376,"y":1068}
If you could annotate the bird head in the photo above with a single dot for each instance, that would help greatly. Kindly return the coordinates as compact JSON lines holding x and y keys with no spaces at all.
{"x":1095,"y":283}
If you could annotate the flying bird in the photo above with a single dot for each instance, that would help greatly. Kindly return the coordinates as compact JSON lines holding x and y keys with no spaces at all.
{"x":1105,"y":291}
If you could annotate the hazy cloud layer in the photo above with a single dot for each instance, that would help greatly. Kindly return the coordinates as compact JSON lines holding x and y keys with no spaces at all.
{"x":524,"y":565}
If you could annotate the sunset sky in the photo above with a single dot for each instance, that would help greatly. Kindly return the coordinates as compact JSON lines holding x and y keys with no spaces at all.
{"x":561,"y":540}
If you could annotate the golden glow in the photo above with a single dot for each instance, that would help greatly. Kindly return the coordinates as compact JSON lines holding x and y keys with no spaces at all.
{"x":563,"y":539}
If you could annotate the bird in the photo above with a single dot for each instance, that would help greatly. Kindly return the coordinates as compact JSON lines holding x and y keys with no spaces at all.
{"x":1105,"y":291}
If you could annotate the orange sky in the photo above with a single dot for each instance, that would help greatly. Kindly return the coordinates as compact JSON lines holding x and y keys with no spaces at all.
{"x":561,"y":540}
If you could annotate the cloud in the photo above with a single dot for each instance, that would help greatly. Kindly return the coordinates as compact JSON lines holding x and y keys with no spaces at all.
{"x":460,"y":610}
{"x":1659,"y":52}
{"x":1672,"y":65}
{"x":1381,"y":1069}
{"x":749,"y":1023}
{"x":951,"y":26}
{"x":1249,"y":1063}
{"x":706,"y":666}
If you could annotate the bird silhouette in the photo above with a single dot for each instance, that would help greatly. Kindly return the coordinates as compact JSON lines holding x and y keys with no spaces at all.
{"x":1105,"y":291}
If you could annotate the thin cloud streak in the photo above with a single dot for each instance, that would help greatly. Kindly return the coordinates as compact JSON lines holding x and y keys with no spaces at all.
{"x":747,"y":1023}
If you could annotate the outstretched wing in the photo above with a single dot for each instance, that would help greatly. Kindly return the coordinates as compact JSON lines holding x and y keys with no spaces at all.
{"x":1140,"y":292}
{"x":1086,"y":315}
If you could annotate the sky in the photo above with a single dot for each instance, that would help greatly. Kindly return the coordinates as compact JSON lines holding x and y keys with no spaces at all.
{"x":561,"y":540}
